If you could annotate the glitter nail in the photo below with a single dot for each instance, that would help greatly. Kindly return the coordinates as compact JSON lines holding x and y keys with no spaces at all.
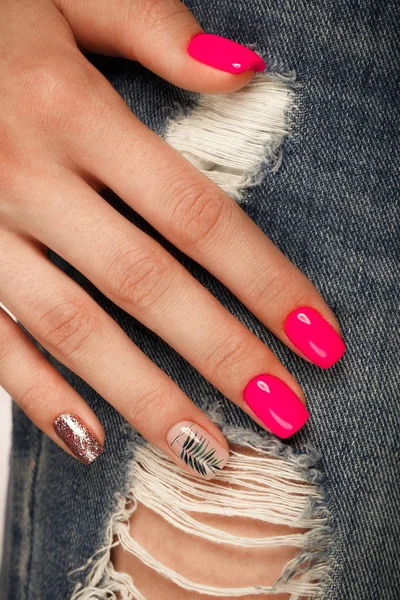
{"x":77,"y":437}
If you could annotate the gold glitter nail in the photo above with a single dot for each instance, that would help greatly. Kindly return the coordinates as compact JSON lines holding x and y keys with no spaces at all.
{"x":77,"y":437}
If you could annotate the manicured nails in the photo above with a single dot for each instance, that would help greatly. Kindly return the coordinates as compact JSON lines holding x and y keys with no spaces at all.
{"x":197,"y":449}
{"x":224,"y":54}
{"x":77,"y":437}
{"x":275,"y":404}
{"x":314,"y":337}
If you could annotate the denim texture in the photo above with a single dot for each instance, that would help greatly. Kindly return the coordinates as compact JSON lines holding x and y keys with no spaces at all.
{"x":333,"y":208}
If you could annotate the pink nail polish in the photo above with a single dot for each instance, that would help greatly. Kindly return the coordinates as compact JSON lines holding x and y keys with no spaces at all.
{"x":314,"y":336}
{"x":275,"y":404}
{"x":224,"y":54}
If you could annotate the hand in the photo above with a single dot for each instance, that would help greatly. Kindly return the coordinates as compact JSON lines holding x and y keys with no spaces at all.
{"x":65,"y":134}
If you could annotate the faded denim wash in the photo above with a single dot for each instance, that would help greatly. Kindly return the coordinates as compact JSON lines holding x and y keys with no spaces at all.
{"x":333,"y":208}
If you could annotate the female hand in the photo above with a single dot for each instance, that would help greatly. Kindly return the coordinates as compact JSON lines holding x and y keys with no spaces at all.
{"x":65,"y":134}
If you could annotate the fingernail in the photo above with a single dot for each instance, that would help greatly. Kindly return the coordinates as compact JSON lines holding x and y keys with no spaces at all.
{"x":275,"y":404}
{"x":197,"y":448}
{"x":224,"y":54}
{"x":314,"y":336}
{"x":77,"y":437}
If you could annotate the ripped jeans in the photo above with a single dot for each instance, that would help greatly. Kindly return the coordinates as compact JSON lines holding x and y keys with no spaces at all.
{"x":311,"y":151}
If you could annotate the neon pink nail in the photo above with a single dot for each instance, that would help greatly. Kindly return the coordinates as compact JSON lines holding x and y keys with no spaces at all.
{"x":314,"y":336}
{"x":224,"y":54}
{"x":274,"y":403}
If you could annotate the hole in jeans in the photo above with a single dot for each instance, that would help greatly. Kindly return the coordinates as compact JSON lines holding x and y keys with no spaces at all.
{"x":205,"y":562}
{"x":259,"y":528}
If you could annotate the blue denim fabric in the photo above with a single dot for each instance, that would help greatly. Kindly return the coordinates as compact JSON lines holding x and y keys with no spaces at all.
{"x":333,"y":208}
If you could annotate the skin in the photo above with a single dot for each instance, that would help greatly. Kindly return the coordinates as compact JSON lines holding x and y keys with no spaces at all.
{"x":65,"y":134}
{"x":201,"y":560}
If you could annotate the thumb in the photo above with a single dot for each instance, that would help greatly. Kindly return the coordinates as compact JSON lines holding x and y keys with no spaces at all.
{"x":164,"y":36}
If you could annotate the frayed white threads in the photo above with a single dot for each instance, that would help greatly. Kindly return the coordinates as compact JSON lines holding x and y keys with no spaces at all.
{"x":235,"y":138}
{"x":262,"y":487}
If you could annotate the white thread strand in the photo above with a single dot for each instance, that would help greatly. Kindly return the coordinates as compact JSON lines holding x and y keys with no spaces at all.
{"x":232,"y":137}
{"x":161,"y":486}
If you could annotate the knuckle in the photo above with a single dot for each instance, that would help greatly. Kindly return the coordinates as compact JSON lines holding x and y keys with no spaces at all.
{"x":49,"y":82}
{"x":198,"y":213}
{"x":57,"y":89}
{"x":272,"y":288}
{"x":227,"y":356}
{"x":154,"y":15}
{"x":67,"y":326}
{"x":138,"y":276}
{"x":140,"y":408}
{"x":37,"y":396}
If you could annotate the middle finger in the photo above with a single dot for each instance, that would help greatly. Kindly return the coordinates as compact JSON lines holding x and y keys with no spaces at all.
{"x":205,"y":223}
{"x":139,"y":275}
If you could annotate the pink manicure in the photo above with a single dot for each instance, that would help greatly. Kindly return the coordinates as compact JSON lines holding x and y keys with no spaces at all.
{"x":274,"y":403}
{"x":314,"y":336}
{"x":224,"y":54}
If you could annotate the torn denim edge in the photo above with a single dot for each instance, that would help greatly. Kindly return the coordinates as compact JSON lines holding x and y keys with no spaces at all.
{"x":236,"y":138}
{"x":306,"y":576}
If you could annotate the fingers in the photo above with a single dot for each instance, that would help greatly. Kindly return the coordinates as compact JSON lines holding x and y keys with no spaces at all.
{"x":165,"y":37}
{"x":201,"y":220}
{"x":70,"y":325}
{"x":45,"y":396}
{"x":141,"y":277}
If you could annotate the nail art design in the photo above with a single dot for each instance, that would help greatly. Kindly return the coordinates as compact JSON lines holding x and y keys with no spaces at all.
{"x":314,"y":336}
{"x":223,"y":54}
{"x":197,"y":448}
{"x":78,"y":438}
{"x":275,"y":404}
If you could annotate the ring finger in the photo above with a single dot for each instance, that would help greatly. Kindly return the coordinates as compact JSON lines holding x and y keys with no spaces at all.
{"x":71,"y":325}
